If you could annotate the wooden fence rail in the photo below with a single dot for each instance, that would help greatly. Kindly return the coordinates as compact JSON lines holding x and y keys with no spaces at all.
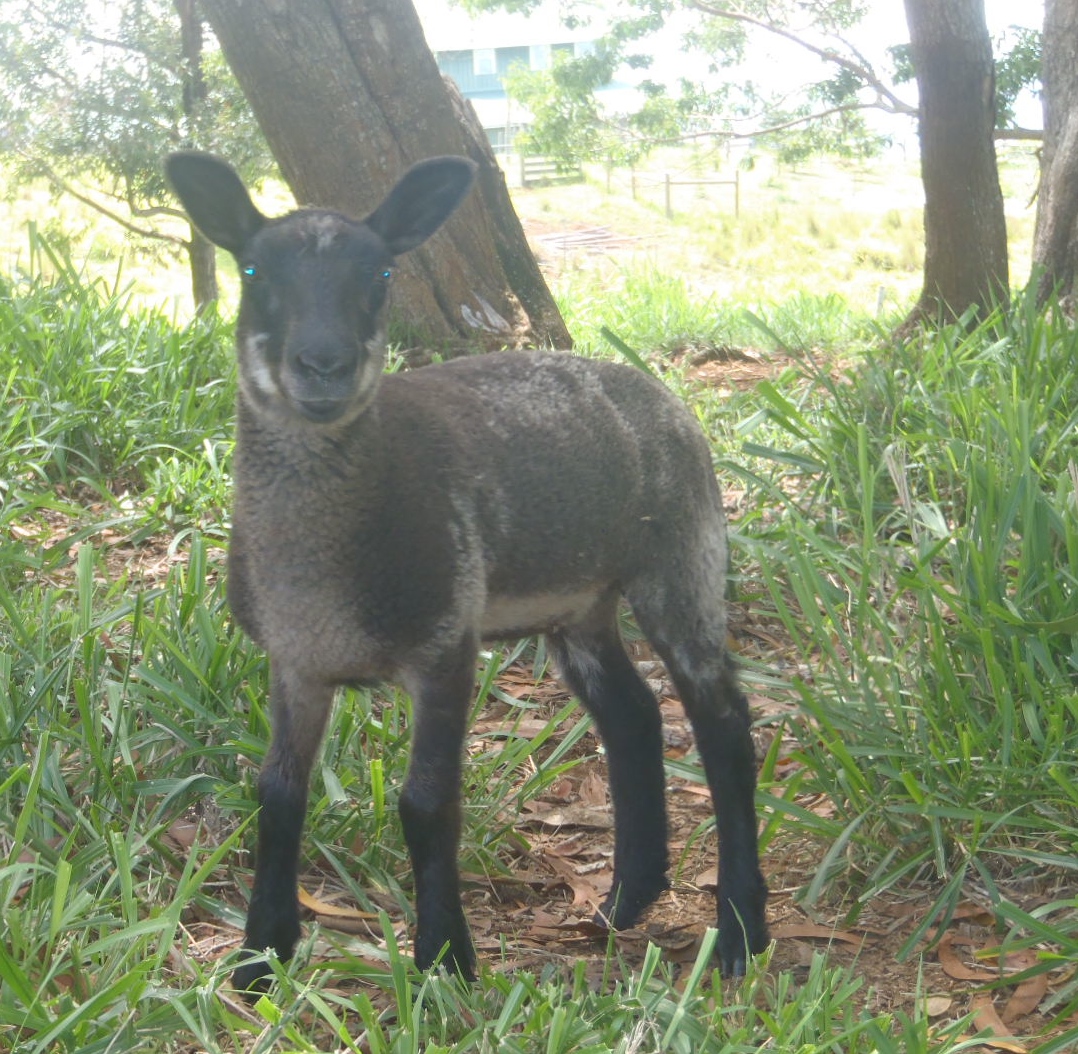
{"x":537,"y":171}
{"x":669,"y":182}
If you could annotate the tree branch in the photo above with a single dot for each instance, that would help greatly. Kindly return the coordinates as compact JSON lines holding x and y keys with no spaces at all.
{"x":65,"y":187}
{"x":861,"y":70}
{"x":1028,"y":134}
{"x":82,"y":35}
{"x":97,"y":105}
{"x":757,"y":132}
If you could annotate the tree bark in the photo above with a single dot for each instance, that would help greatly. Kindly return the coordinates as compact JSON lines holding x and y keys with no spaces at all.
{"x":1055,"y":235}
{"x":202,"y":260}
{"x":348,"y":95}
{"x":201,"y":255}
{"x":965,"y":228}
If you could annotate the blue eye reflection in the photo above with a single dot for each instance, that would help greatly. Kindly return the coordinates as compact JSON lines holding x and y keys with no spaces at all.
{"x":387,"y":274}
{"x":250,"y":271}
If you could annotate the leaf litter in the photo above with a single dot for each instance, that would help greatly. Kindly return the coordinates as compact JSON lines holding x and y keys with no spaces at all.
{"x":542,"y":911}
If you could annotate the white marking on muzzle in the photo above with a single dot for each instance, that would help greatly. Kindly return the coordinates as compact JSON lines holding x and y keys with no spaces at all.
{"x":255,"y":371}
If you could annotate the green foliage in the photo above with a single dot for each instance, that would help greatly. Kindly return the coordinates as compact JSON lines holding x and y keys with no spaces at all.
{"x":842,"y":133}
{"x":572,"y":126}
{"x":1018,"y":68}
{"x":94,"y":95}
{"x":660,"y":312}
{"x":125,"y":406}
{"x":551,"y":1014}
{"x":566,"y":116}
{"x":919,"y":546}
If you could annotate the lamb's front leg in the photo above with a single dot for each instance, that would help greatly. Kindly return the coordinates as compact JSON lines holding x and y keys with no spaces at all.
{"x":430,"y":806}
{"x":300,"y":707}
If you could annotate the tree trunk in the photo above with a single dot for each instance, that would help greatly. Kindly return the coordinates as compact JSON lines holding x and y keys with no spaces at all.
{"x":201,"y":255}
{"x":202,"y":259}
{"x":1055,"y":236}
{"x":348,"y":95}
{"x":965,"y":228}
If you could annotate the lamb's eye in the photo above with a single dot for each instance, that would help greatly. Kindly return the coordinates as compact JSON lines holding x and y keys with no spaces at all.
{"x":249,"y":271}
{"x":387,"y":274}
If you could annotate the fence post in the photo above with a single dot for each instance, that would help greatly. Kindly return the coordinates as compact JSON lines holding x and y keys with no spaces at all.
{"x":669,"y":210}
{"x":737,"y":193}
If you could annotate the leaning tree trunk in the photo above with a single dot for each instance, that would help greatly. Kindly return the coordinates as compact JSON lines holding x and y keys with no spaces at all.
{"x":348,"y":95}
{"x":965,"y":228}
{"x":1055,"y":236}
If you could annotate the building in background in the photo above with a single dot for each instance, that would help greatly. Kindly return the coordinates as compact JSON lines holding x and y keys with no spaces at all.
{"x":478,"y":52}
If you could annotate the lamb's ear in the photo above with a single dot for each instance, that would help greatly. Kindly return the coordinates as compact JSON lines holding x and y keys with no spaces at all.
{"x":215,"y":198}
{"x":422,"y":200}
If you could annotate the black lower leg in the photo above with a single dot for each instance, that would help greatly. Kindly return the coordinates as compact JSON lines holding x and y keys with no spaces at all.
{"x":433,"y":835}
{"x":273,"y":913}
{"x":430,"y":810}
{"x":627,"y":717}
{"x":300,"y":709}
{"x":721,"y":723}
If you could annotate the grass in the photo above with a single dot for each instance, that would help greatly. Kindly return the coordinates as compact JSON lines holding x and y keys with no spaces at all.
{"x":920,"y":550}
{"x":822,"y":229}
{"x":910,"y":526}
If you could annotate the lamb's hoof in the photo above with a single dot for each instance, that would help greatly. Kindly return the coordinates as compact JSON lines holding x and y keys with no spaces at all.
{"x":624,"y":906}
{"x":252,"y":977}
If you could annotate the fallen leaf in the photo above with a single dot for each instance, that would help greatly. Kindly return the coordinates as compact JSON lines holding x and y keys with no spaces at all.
{"x":591,"y":928}
{"x":937,"y":1005}
{"x":801,"y":930}
{"x":953,"y":965}
{"x":593,"y":790}
{"x":567,"y":816}
{"x":825,"y":807}
{"x":1026,"y":998}
{"x":182,"y":834}
{"x":974,"y":913}
{"x":520,"y":728}
{"x":1011,"y":962}
{"x":708,"y":879}
{"x":571,"y":846}
{"x":584,"y":892}
{"x":698,"y":789}
{"x":561,"y":790}
{"x":331,"y":911}
{"x":987,"y":1020}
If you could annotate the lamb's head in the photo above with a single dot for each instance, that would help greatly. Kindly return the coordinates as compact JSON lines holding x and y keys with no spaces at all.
{"x":311,"y":326}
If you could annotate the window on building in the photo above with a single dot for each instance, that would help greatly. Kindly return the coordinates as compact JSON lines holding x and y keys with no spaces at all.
{"x":539,"y":56}
{"x":484,"y":62}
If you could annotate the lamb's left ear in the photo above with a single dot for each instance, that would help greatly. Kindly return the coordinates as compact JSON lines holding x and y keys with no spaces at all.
{"x":215,"y":198}
{"x":421,"y":201}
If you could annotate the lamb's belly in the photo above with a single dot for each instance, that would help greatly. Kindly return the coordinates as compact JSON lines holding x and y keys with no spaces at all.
{"x":507,"y":617}
{"x":325,"y":639}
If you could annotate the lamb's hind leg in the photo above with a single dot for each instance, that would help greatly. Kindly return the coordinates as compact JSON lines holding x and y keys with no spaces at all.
{"x":687,"y":628}
{"x":594,"y":665}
